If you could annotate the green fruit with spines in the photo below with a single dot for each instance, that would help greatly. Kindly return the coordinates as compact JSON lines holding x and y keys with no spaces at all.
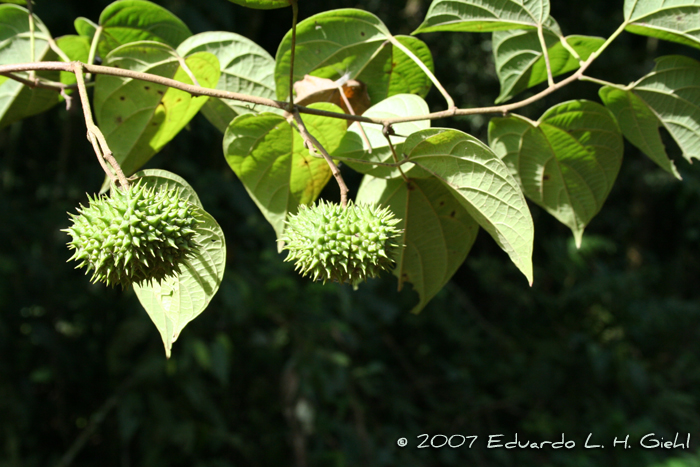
{"x":333,"y":243}
{"x":133,"y":236}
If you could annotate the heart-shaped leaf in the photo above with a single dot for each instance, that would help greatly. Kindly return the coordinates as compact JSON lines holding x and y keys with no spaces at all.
{"x":354,"y":146}
{"x":16,"y":100}
{"x":438,"y":231}
{"x":487,"y":16}
{"x":352,"y":44}
{"x":482,"y":183}
{"x":669,"y":20}
{"x":269,"y":157}
{"x":568,"y":162}
{"x":639,"y":124}
{"x":520,"y":63}
{"x":173,"y":302}
{"x":262,"y":4}
{"x":138,"y":118}
{"x":126,"y":21}
{"x":245,"y":68}
{"x":672,"y":92}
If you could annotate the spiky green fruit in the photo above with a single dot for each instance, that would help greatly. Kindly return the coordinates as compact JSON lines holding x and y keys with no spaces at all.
{"x":332,"y":243}
{"x":133,"y":236}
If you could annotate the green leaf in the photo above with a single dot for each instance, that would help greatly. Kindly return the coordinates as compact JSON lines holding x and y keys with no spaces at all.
{"x":672,"y":92}
{"x":269,"y":157}
{"x":675,"y":21}
{"x":173,"y":302}
{"x":84,"y":27}
{"x":138,"y":118}
{"x":505,"y":135}
{"x":163,"y":178}
{"x":353,"y":146}
{"x":483,"y":185}
{"x":262,"y":4}
{"x":568,"y":162}
{"x":245,"y":68}
{"x":77,"y":48}
{"x":520,"y":63}
{"x":127,"y":21}
{"x":639,"y":124}
{"x":438,"y":231}
{"x":487,"y":16}
{"x":16,"y":100}
{"x":352,"y":44}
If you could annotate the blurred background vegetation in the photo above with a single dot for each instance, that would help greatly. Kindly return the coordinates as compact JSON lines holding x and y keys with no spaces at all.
{"x":282,"y":371}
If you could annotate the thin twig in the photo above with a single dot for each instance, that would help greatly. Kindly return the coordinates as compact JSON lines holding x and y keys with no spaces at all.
{"x":32,"y":41}
{"x":543,"y":44}
{"x":450,"y":102}
{"x":310,"y":142}
{"x":387,"y":131}
{"x":345,"y":99}
{"x":99,"y":143}
{"x":93,"y":48}
{"x":571,"y":50}
{"x":295,"y":15}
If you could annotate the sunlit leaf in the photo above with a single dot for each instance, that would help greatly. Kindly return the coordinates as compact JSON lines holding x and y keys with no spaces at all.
{"x":245,"y":68}
{"x":671,"y":20}
{"x":173,"y":302}
{"x":353,"y":44}
{"x":672,"y":92}
{"x":138,"y":118}
{"x":438,"y":231}
{"x":568,"y":162}
{"x":482,"y":183}
{"x":487,"y":16}
{"x":128,"y":21}
{"x":269,"y":157}
{"x":353,"y":145}
{"x":520,"y":63}
{"x":639,"y":124}
{"x":16,"y":100}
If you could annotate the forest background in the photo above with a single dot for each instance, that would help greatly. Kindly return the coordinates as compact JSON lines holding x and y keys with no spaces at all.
{"x":283,"y":371}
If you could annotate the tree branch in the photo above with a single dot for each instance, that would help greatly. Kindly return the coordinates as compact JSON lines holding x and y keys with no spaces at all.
{"x":310,"y":142}
{"x":99,"y":143}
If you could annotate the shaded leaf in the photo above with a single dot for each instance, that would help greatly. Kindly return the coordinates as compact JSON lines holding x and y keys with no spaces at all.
{"x":77,"y":48}
{"x":269,"y":157}
{"x":245,"y":68}
{"x":568,"y":163}
{"x":487,"y":16}
{"x":438,"y":231}
{"x":520,"y":63}
{"x":672,"y":92}
{"x":169,"y":180}
{"x":175,"y":301}
{"x":262,"y":4}
{"x":127,"y":21}
{"x":138,"y":118}
{"x":84,"y":27}
{"x":352,"y":44}
{"x":666,"y":19}
{"x":482,"y":183}
{"x":16,"y":100}
{"x":353,"y":145}
{"x":639,"y":124}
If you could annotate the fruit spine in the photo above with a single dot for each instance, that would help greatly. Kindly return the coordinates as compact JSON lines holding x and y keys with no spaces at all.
{"x":134,"y":235}
{"x":342,"y":244}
